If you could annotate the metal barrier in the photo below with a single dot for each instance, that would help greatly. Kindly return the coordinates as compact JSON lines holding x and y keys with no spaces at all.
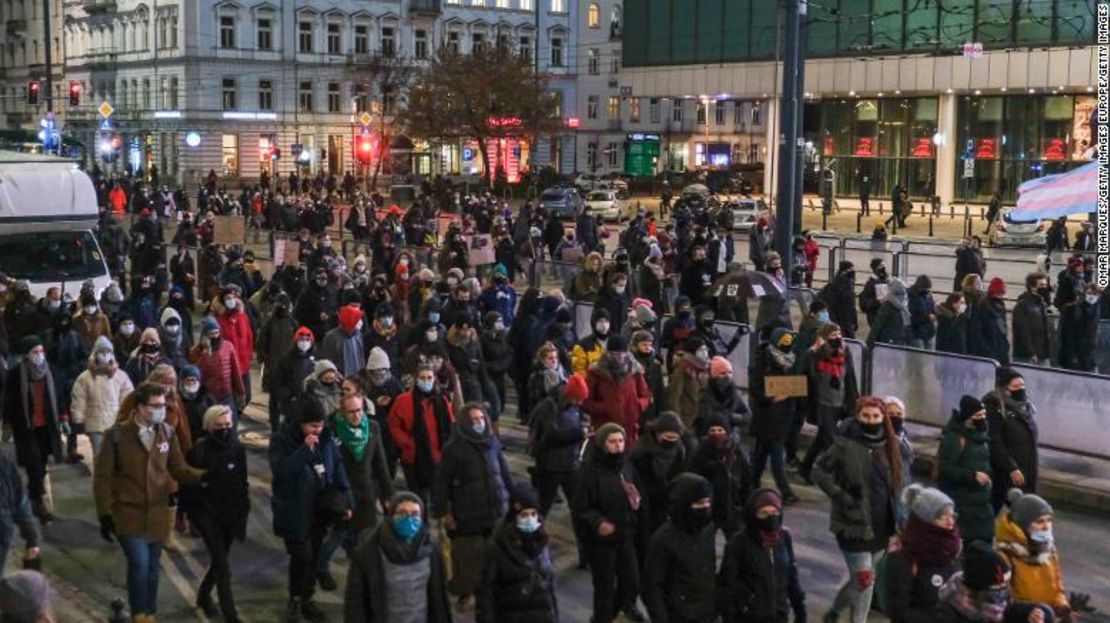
{"x":1071,"y":409}
{"x":941,"y":269}
{"x":550,"y":274}
{"x":859,"y":363}
{"x":930,"y":383}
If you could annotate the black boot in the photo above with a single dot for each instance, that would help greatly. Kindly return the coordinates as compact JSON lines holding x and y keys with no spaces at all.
{"x":312,"y":612}
{"x":293,"y":610}
{"x":205,"y":603}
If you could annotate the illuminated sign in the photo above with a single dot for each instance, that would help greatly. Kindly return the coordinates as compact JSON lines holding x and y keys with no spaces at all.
{"x":865,"y":146}
{"x":923,"y":148}
{"x":987,"y":148}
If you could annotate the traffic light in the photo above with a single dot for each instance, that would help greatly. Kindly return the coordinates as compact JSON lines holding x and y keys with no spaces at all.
{"x":364,"y":148}
{"x":74,"y":93}
{"x":33,"y":93}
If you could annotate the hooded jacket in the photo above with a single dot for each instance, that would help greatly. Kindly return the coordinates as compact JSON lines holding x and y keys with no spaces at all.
{"x":757,"y":583}
{"x":892,"y":324}
{"x":951,"y":330}
{"x":687,"y":380}
{"x":272,"y":344}
{"x":1037,"y":577}
{"x":518,"y":584}
{"x":657,"y":467}
{"x":300,"y":475}
{"x":98,"y":393}
{"x":602,"y":496}
{"x":620,"y":400}
{"x":962,"y":452}
{"x":174,"y":347}
{"x":472,"y":480}
{"x":288,"y":377}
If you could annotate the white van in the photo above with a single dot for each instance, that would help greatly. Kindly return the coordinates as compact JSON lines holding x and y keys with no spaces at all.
{"x":48,"y":212}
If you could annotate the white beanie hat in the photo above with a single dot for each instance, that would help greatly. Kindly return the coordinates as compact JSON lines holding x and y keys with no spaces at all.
{"x":378,"y":359}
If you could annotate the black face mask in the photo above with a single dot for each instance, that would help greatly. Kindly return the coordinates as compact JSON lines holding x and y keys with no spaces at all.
{"x":899,"y":425}
{"x":768,"y":524}
{"x":980,"y":425}
{"x":222,"y":435}
{"x":1018,"y":394}
{"x":150,"y":349}
{"x":881,"y":273}
{"x":215,"y":342}
{"x":698,"y":518}
{"x":836,"y":343}
{"x":872,"y":431}
{"x":280,"y":311}
{"x":667,"y":445}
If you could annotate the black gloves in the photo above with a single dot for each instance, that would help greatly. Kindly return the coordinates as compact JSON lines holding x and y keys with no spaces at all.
{"x":107,"y":528}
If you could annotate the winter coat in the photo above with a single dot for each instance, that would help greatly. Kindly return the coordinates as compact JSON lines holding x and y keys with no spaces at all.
{"x":502,"y":299}
{"x":656,"y":473}
{"x":964,"y":451}
{"x":621,"y":402}
{"x":921,"y":306}
{"x":601,"y":495}
{"x":1078,"y":334}
{"x":912,"y":589}
{"x":96,"y":397}
{"x":586,"y":352}
{"x":516,"y":587}
{"x":951,"y":331}
{"x":556,"y":434}
{"x":235,"y":328}
{"x":88,"y":328}
{"x":657,"y":385}
{"x":466,"y":358}
{"x":1031,"y":329}
{"x":344,"y":350}
{"x":273,"y":342}
{"x":225,"y":500}
{"x":771,"y":420}
{"x":139,"y":366}
{"x":677,"y":584}
{"x":720,"y":397}
{"x":1013,"y":441}
{"x":194,"y":409}
{"x":369,"y":477}
{"x":220,"y":371}
{"x":986,"y":335}
{"x":841,"y":300}
{"x":316,"y":308}
{"x":19,"y":419}
{"x":388,"y":340}
{"x":616,"y":304}
{"x":1036,"y":575}
{"x":687,"y":380}
{"x":472,"y":481}
{"x":729,"y":471}
{"x":822,"y":395}
{"x":133,"y":485}
{"x":15,"y":508}
{"x":696,"y":280}
{"x":758,"y":585}
{"x":368,"y":585}
{"x":496,"y":352}
{"x":845,"y":473}
{"x":300,"y":475}
{"x":869,"y":302}
{"x":969,"y":260}
{"x":401,"y":426}
{"x":287,"y":381}
{"x":889,"y":327}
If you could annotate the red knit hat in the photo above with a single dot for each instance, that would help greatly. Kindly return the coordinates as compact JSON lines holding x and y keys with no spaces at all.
{"x":303,"y":332}
{"x":720,"y":367}
{"x":576,"y":389}
{"x":349,"y":317}
{"x":997,"y":287}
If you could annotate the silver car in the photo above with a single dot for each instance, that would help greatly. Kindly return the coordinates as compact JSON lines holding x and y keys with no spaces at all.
{"x":607,"y":205}
{"x":1005,"y":232}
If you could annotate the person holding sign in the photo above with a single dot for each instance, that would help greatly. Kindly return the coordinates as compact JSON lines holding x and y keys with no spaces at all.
{"x":774,"y":391}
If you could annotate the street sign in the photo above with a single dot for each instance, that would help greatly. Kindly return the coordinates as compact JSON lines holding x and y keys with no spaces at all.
{"x":973,"y":50}
{"x":365,"y":118}
{"x":105,"y":125}
{"x":969,"y":168}
{"x":105,"y":109}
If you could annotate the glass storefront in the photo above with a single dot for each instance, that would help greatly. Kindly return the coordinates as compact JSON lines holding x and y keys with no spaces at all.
{"x":1007,"y":140}
{"x":888,"y":140}
{"x":229,"y":155}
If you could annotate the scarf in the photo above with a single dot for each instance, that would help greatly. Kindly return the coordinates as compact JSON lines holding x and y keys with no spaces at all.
{"x":931,"y":545}
{"x":782,"y":359}
{"x":769,"y":540}
{"x":425,"y":466}
{"x":401,"y":552}
{"x":959,"y":597}
{"x":833,"y":365}
{"x":553,"y":378}
{"x":354,"y":439}
{"x":618,"y":365}
{"x":29,"y":374}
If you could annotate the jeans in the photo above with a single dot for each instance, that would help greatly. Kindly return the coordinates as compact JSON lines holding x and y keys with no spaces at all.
{"x":857,"y":591}
{"x":95,"y":439}
{"x":142,"y":573}
{"x":218,"y":539}
{"x":924,"y":344}
{"x":775,"y":451}
{"x":338,"y":537}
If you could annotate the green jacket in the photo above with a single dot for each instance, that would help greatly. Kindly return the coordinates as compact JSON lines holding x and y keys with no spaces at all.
{"x":843,"y":472}
{"x":964,"y":451}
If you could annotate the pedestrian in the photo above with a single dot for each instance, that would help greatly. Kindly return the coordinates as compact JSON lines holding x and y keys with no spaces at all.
{"x":816,"y":317}
{"x":15,"y":510}
{"x":832,"y":390}
{"x":895,"y":411}
{"x":219,"y":507}
{"x":518,"y":578}
{"x":98,"y":393}
{"x":31,"y":413}
{"x":470,"y":496}
{"x":397,"y":575}
{"x":874,"y":290}
{"x":589,"y":349}
{"x":1012,"y":423}
{"x":610,"y":506}
{"x":758,"y":581}
{"x":760,"y":242}
{"x":274,"y":339}
{"x":987,"y":331}
{"x":952,"y":320}
{"x":720,"y":396}
{"x":219,"y":366}
{"x":923,"y":318}
{"x":465,"y":353}
{"x":618,"y":391}
{"x":969,"y":261}
{"x":1079,"y":331}
{"x":124,"y":340}
{"x":1032,"y":337}
{"x":658,"y":458}
{"x":170,"y":333}
{"x":343,"y":344}
{"x":26,"y":597}
{"x":310,"y":493}
{"x":893,"y":321}
{"x":497,"y":355}
{"x":195,"y":400}
{"x":385,"y":333}
{"x":689,"y":376}
{"x":148,"y":356}
{"x":773,"y":417}
{"x":928,"y":557}
{"x":681,"y":562}
{"x":381,"y":388}
{"x":861,"y":472}
{"x":1024,"y":537}
{"x":359,"y":438}
{"x":697,"y":275}
{"x":90,"y":323}
{"x":980,"y":593}
{"x":135,"y":473}
{"x":864,"y":187}
{"x":840,"y":296}
{"x":643,"y":352}
{"x":420,"y":422}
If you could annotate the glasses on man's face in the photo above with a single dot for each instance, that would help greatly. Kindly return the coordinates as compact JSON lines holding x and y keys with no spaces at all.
{"x":354,"y":412}
{"x":156,"y":405}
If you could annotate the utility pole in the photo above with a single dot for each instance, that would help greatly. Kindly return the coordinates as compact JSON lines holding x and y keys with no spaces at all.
{"x":790,"y":115}
{"x":49,"y":56}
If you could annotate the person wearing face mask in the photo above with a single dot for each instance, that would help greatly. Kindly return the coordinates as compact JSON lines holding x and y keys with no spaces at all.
{"x":1069,"y":284}
{"x":125,"y":338}
{"x":969,"y":261}
{"x":758,"y":581}
{"x":420,"y":422}
{"x":775,"y":420}
{"x":618,"y":390}
{"x":610,"y":507}
{"x":146,"y":357}
{"x":817,"y":317}
{"x":895,"y":411}
{"x":923,"y":319}
{"x":343,"y":345}
{"x":316,"y":304}
{"x":194,"y":400}
{"x":720,"y":459}
{"x":1079,"y":331}
{"x":135,"y":471}
{"x":678,"y":328}
{"x":987,"y":334}
{"x":289,"y":375}
{"x":678,"y":579}
{"x":465,"y":354}
{"x":981,"y":593}
{"x":642,"y":318}
{"x":500,"y":296}
{"x":659,"y":457}
{"x":587,"y":283}
{"x":697,"y":276}
{"x":470,"y":496}
{"x":893,"y":322}
{"x":397,"y":575}
{"x":873,"y":293}
{"x":929,"y":555}
{"x":964,"y":469}
{"x":220,"y":508}
{"x":323,"y":386}
{"x":642,"y":347}
{"x":952,"y":320}
{"x":761,"y":240}
{"x":615,"y":299}
{"x":20,"y":313}
{"x":832,"y":392}
{"x":274,"y":338}
{"x":141,"y":305}
{"x":1032,"y":337}
{"x":548,"y":376}
{"x":459,"y":305}
{"x":706,"y":330}
{"x":1023,"y":535}
{"x":68,"y":360}
{"x":1012,"y":423}
{"x":589,"y":349}
{"x":219,"y":365}
{"x":89,"y":323}
{"x":840,"y":296}
{"x":385,"y":333}
{"x":688,"y":377}
{"x":32,"y":413}
{"x":381,"y":388}
{"x":171,"y":334}
{"x":518,"y":576}
{"x":497,"y":355}
{"x":431,"y":320}
{"x":98,"y":393}
{"x":236,"y":329}
{"x":861,"y":472}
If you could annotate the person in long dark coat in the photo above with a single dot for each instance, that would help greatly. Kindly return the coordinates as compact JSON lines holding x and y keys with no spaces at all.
{"x":1032,"y":340}
{"x":952,"y":319}
{"x":964,"y":469}
{"x":840,"y":297}
{"x":1012,"y":423}
{"x":987,"y":335}
{"x":772,"y":416}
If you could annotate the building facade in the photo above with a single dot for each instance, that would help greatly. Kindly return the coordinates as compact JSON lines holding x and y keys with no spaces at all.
{"x":960,"y":99}
{"x":228,"y":85}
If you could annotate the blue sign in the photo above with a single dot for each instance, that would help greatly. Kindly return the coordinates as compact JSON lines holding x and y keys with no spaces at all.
{"x":468,"y":154}
{"x":106,"y":124}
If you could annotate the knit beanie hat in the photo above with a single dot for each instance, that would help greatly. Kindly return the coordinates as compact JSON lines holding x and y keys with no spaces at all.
{"x":208,"y":324}
{"x":322,"y":366}
{"x":720,"y":367}
{"x":564,"y":315}
{"x":1006,"y":375}
{"x":24,"y":596}
{"x":969,"y":406}
{"x":312,"y":411}
{"x":983,"y":567}
{"x":778,"y":334}
{"x":103,"y":344}
{"x":349,"y":317}
{"x":378,"y":359}
{"x":576,"y":389}
{"x":641,"y":336}
{"x":668,"y":422}
{"x":844,"y":265}
{"x":997,"y":287}
{"x":1025,"y":508}
{"x":521,"y":497}
{"x":644,"y":315}
{"x":716,"y":419}
{"x":385,"y":308}
{"x":29,"y":343}
{"x":764,"y":497}
{"x":606,"y":431}
{"x":875,"y":263}
{"x":926,"y":503}
{"x":402,"y":496}
{"x":616,"y":344}
{"x":189,"y":371}
{"x":303,"y":333}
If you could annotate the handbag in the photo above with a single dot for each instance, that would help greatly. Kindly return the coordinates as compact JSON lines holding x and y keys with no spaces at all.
{"x":332,"y":505}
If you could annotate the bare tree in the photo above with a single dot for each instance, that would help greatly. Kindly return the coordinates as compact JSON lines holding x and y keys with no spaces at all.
{"x":390,"y":79}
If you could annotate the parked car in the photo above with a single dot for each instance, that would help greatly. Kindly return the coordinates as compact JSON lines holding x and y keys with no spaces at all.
{"x":1009,"y":233}
{"x":745,"y":212}
{"x":561,"y":202}
{"x":585,"y":182}
{"x":614,"y":181}
{"x":607,"y":205}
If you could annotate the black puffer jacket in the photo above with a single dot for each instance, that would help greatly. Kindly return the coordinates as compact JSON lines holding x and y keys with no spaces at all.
{"x":225,"y":499}
{"x":720,"y":398}
{"x":601,"y":496}
{"x":657,"y":467}
{"x":757,"y":584}
{"x":472,"y":481}
{"x":557,"y":433}
{"x":912,"y":588}
{"x":287,"y":381}
{"x":517,"y":586}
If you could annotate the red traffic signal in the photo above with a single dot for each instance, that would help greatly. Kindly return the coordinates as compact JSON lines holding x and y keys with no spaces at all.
{"x":33,"y":92}
{"x":74,"y":93}
{"x":364,"y":148}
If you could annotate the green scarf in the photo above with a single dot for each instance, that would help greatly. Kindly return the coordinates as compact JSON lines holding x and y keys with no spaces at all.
{"x":354,"y":439}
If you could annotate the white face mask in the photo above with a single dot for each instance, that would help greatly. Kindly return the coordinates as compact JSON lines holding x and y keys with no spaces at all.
{"x":38,"y":358}
{"x":90,"y":310}
{"x":104,"y":358}
{"x":173,"y":329}
{"x":619,"y":289}
{"x":304,"y":345}
{"x":230,"y":303}
{"x":431,"y":336}
{"x":191,"y":388}
{"x":127,"y":328}
{"x":1092,"y":299}
{"x":157,"y":415}
{"x":961,"y":308}
{"x":602,"y":327}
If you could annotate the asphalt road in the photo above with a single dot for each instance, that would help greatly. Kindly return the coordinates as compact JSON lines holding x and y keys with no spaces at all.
{"x":89,"y":573}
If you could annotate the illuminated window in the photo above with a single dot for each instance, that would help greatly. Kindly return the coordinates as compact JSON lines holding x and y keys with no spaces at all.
{"x":593,"y":16}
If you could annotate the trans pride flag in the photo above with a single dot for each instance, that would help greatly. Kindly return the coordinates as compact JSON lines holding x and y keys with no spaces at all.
{"x":1053,"y":196}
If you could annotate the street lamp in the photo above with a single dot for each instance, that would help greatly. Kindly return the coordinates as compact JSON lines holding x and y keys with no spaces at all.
{"x":705,"y":101}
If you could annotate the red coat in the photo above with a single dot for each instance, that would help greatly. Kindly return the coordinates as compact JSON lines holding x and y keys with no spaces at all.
{"x":118,"y":198}
{"x":401,"y":426}
{"x":812,"y":251}
{"x":219,"y":371}
{"x":235,"y":328}
{"x":617,"y":403}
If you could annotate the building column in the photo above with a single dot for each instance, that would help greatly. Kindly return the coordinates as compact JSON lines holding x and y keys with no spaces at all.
{"x":946,"y":150}
{"x":771,"y":172}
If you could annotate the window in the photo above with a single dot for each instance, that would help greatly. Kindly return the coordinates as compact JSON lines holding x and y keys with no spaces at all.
{"x":676,"y":111}
{"x":173,"y":92}
{"x":526,"y":5}
{"x":228,"y":93}
{"x":611,"y":154}
{"x":615,"y":21}
{"x":502,"y":4}
{"x":593,"y":61}
{"x":453,"y":42}
{"x":703,"y":109}
{"x":593,"y":16}
{"x":477,"y":40}
{"x":591,"y":107}
{"x":230,"y":154}
{"x":615,"y":63}
{"x":558,"y":6}
{"x":173,"y":32}
{"x":738,"y":114}
{"x":557,"y":104}
{"x":333,"y":97}
{"x":304,"y":103}
{"x":719,"y":113}
{"x":362,"y":39}
{"x":304,"y":37}
{"x":556,"y":51}
{"x":653,"y":110}
{"x":227,"y":31}
{"x":591,"y":155}
{"x":389,"y":42}
{"x":265,"y":34}
{"x":634,"y":109}
{"x":420,"y":44}
{"x":757,"y":115}
{"x":334,"y":39}
{"x":163,"y":93}
{"x":614,"y":109}
{"x":265,"y":95}
{"x":526,"y":48}
{"x":361,"y":101}
{"x":146,"y":92}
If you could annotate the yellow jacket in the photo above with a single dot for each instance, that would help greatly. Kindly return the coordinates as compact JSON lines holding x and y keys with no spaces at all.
{"x":588,"y":350}
{"x":1036,"y":579}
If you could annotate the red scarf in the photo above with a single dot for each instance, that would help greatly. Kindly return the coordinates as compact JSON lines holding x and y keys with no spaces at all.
{"x":929,"y":544}
{"x":832,"y":366}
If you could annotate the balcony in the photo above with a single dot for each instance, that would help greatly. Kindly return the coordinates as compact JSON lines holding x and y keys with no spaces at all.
{"x":425,"y":7}
{"x":17,"y":27}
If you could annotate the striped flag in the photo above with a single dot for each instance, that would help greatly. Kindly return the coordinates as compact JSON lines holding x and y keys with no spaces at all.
{"x":1052,"y":196}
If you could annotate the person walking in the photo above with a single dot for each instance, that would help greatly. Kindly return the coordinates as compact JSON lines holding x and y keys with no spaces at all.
{"x":831,"y":381}
{"x":658,"y":458}
{"x":618,"y":392}
{"x":98,"y":393}
{"x":840,"y":297}
{"x":987,"y":332}
{"x":929,"y":556}
{"x":952,"y":319}
{"x":397,"y":575}
{"x":923,"y":318}
{"x":964,"y":469}
{"x":1024,"y":536}
{"x":420,"y":422}
{"x":1012,"y":423}
{"x":772,"y":416}
{"x":221,"y":371}
{"x":893,"y":321}
{"x":1079,"y":331}
{"x":135,"y":472}
{"x":861,"y":472}
{"x":874,"y":290}
{"x":219,"y":507}
{"x":1032,"y":339}
{"x":15,"y":511}
{"x":289,"y":376}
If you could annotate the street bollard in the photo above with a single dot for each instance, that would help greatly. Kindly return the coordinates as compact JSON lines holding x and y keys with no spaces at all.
{"x":951,"y":210}
{"x":930,"y":225}
{"x":880,"y":208}
{"x":922,"y":209}
{"x":824,"y":220}
{"x":859,"y":221}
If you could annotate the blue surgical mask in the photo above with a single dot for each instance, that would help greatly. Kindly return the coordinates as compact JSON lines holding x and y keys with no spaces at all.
{"x":480,"y":427}
{"x":528,"y":525}
{"x":425,"y":386}
{"x":433,"y":316}
{"x":823,"y":315}
{"x":1042,"y":537}
{"x":387,"y":321}
{"x":158,"y":415}
{"x":406,"y":528}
